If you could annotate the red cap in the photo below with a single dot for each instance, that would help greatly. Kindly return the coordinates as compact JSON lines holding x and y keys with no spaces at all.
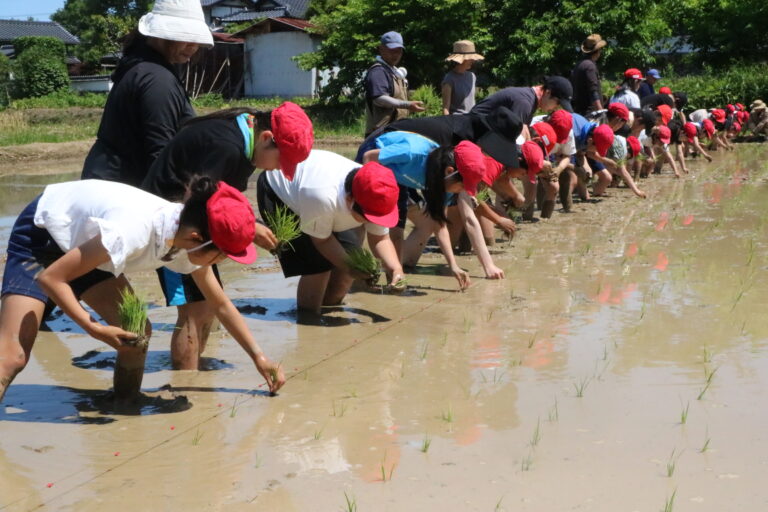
{"x":666,"y":113}
{"x":602,"y":136}
{"x":293,"y":134}
{"x":493,"y":170}
{"x":634,"y":145}
{"x":547,"y":134}
{"x":375,"y":190}
{"x":231,"y":223}
{"x":709,"y":128}
{"x":718,"y":115}
{"x":740,"y":106}
{"x":633,"y":73}
{"x":665,"y":134}
{"x":691,"y":131}
{"x":470,"y":162}
{"x":736,"y":127}
{"x":743,"y":116}
{"x":620,"y":110}
{"x":562,"y":121}
{"x":665,"y":90}
{"x":534,"y":158}
{"x":730,"y":108}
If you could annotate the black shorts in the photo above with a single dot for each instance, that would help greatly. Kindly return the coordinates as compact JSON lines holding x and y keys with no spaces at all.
{"x":301,"y":257}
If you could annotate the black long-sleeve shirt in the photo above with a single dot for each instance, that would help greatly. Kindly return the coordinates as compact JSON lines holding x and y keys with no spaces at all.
{"x":586,"y":86}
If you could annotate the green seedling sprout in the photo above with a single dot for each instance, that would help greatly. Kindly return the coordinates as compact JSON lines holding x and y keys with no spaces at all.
{"x":424,"y":351}
{"x":198,"y":436}
{"x":528,"y":252}
{"x":467,"y":324}
{"x":684,"y":414}
{"x":319,"y":433}
{"x":285,"y":225}
{"x":672,"y":463}
{"x":536,"y":437}
{"x":483,"y":195}
{"x":233,"y":411}
{"x":338,"y":413}
{"x":581,"y":386}
{"x":497,"y":508}
{"x":363,"y":261}
{"x":526,"y":462}
{"x":707,"y":355}
{"x":669,"y":504}
{"x":705,"y":446}
{"x":533,"y":339}
{"x":709,"y":374}
{"x":447,"y":415}
{"x":425,"y":444}
{"x":351,"y":503}
{"x":704,"y":390}
{"x":133,"y":317}
{"x":554,"y":413}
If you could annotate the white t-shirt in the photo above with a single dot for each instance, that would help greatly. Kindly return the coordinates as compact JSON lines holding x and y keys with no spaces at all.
{"x":136,"y":227}
{"x":567,"y":148}
{"x":626,"y":97}
{"x":317,"y":195}
{"x":697,"y":116}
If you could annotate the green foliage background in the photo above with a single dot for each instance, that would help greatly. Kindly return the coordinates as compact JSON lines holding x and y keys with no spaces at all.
{"x":39,"y":67}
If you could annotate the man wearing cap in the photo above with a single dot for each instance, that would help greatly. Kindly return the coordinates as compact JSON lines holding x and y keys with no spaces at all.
{"x":147,"y":103}
{"x":554,"y":93}
{"x":587,"y":91}
{"x":758,"y":118}
{"x":627,"y":92}
{"x":386,"y":89}
{"x":646,"y":87}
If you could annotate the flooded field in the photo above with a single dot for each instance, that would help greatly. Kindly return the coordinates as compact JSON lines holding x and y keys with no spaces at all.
{"x":621,"y":366}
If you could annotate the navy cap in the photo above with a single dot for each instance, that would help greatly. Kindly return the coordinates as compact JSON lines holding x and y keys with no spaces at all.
{"x":654,"y":73}
{"x":561,"y":89}
{"x":392,"y":40}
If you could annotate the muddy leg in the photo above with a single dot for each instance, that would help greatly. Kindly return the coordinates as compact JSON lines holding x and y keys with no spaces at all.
{"x":311,"y":291}
{"x":193,"y":325}
{"x":104,"y":298}
{"x":540,"y":194}
{"x":20,"y":318}
{"x":566,"y":189}
{"x":338,"y":287}
{"x":413,"y":247}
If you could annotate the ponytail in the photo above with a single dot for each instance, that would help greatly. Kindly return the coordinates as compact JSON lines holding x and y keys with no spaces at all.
{"x":263,"y":118}
{"x":195,"y":211}
{"x":434,"y":183}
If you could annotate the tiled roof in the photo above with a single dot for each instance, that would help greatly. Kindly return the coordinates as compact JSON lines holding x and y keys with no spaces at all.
{"x":296,"y":8}
{"x":12,"y":29}
{"x":253,"y":15}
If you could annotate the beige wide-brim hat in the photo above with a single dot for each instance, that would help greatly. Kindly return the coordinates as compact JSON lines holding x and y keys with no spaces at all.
{"x":464,"y":50}
{"x":757,"y":105}
{"x":177,"y":20}
{"x":592,"y":43}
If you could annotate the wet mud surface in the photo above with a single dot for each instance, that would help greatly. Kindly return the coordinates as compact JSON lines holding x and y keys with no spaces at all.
{"x":624,"y":359}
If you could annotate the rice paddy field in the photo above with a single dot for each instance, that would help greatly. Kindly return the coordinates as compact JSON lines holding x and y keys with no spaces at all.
{"x":621,"y":366}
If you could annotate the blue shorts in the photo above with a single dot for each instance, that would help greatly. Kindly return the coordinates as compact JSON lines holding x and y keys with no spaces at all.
{"x":180,"y":289}
{"x":595,"y":165}
{"x":30,"y":250}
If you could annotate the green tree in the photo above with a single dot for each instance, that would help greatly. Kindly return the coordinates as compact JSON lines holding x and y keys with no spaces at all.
{"x":39,"y":69}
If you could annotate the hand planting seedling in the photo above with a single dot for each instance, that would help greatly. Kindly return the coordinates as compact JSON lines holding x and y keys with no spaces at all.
{"x":133,"y":317}
{"x":362,"y":260}
{"x":285,"y":225}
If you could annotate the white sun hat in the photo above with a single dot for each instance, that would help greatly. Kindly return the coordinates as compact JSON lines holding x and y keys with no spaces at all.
{"x":177,"y":20}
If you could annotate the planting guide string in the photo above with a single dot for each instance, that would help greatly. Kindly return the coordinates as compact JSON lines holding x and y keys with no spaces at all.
{"x":198,"y":424}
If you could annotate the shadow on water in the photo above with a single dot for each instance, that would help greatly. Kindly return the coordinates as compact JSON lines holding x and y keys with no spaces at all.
{"x":285,"y":309}
{"x":157,"y":360}
{"x":39,"y":403}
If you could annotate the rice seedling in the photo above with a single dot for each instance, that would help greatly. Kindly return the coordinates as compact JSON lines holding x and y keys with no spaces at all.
{"x":257,"y":461}
{"x":338,"y":412}
{"x":285,"y":225}
{"x":133,"y":316}
{"x":669,"y":504}
{"x":444,"y":340}
{"x":536,"y":437}
{"x":498,"y":375}
{"x":672,"y":463}
{"x":490,"y":314}
{"x":467,"y":324}
{"x":684,"y":413}
{"x":424,"y":351}
{"x":554,"y":413}
{"x":363,"y":261}
{"x":704,"y":390}
{"x":497,"y":508}
{"x":483,"y":195}
{"x":528,"y":252}
{"x":581,"y":386}
{"x":533,"y":339}
{"x":233,"y":411}
{"x":707,"y":355}
{"x":351,"y":503}
{"x":526,"y":462}
{"x":197,"y":437}
{"x":319,"y":433}
{"x":425,"y":444}
{"x":447,"y":415}
{"x":709,"y":374}
{"x":383,"y":470}
{"x":605,"y":352}
{"x":705,"y":446}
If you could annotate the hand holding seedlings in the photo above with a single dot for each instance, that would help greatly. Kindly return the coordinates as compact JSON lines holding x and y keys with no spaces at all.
{"x":285,"y":226}
{"x":364,"y":265}
{"x":265,"y":238}
{"x":133,"y":318}
{"x":272,"y":373}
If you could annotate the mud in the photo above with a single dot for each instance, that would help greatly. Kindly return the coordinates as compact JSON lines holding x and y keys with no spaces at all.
{"x":624,"y":359}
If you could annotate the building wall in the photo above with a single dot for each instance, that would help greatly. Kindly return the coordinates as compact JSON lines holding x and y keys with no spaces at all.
{"x":269,"y":68}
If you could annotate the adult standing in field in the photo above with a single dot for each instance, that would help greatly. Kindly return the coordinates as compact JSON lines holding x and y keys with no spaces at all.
{"x":386,"y":89}
{"x":585,"y":77}
{"x":147,"y":102}
{"x":646,"y":87}
{"x":458,"y":87}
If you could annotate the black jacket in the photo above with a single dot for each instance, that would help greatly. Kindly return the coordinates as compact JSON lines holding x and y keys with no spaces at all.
{"x":143,"y":112}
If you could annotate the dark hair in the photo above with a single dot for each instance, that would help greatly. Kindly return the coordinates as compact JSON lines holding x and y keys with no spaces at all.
{"x":132,"y":41}
{"x":195,"y":211}
{"x":675,"y":126}
{"x":611,"y":116}
{"x":263,"y":119}
{"x":434,"y":182}
{"x":348,"y":190}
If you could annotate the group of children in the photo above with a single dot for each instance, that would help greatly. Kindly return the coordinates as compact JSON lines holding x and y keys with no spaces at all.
{"x":77,"y":241}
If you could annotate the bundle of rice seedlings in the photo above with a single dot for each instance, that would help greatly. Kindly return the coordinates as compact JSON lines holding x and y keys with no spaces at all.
{"x":364,"y":261}
{"x":483,"y":196}
{"x":133,"y":316}
{"x":285,"y":225}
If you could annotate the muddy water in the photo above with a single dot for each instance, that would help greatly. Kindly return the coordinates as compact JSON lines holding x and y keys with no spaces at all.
{"x":561,"y":388}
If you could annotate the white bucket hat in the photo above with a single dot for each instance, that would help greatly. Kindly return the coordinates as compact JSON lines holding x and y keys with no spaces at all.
{"x":177,"y":20}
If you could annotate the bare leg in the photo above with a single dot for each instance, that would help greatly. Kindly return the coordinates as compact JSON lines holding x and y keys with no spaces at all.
{"x":413,"y":247}
{"x":604,"y":179}
{"x":311,"y":291}
{"x":396,"y":235}
{"x":455,"y":225}
{"x":190,"y":335}
{"x":20,"y":318}
{"x":104,"y":299}
{"x":337,"y":288}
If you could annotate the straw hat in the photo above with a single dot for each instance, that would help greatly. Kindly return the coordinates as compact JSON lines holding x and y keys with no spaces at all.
{"x":757,"y":105}
{"x":592,"y":43}
{"x":464,"y":50}
{"x":177,"y":20}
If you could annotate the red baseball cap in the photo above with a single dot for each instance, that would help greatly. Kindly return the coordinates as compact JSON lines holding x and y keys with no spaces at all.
{"x":666,"y":113}
{"x":293,"y":134}
{"x":730,"y":108}
{"x":691,"y":131}
{"x":740,"y":106}
{"x":743,"y":116}
{"x":534,"y":158}
{"x":665,"y":134}
{"x":736,"y":127}
{"x":375,"y":190}
{"x":633,"y":73}
{"x":232,"y":224}
{"x":470,"y":162}
{"x":665,"y":90}
{"x":620,"y":110}
{"x":602,"y":136}
{"x":562,"y":122}
{"x":547,"y":134}
{"x":634,"y":145}
{"x":709,"y":128}
{"x":493,"y":170}
{"x":718,"y":115}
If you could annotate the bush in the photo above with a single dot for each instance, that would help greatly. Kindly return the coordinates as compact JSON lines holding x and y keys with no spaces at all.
{"x":62,"y":99}
{"x":5,"y":80}
{"x":49,"y":45}
{"x":38,"y":73}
